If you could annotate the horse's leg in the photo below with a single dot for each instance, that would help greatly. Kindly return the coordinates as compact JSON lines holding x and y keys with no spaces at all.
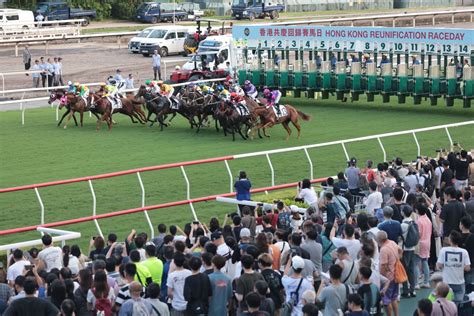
{"x":69,"y":118}
{"x":96,"y":115}
{"x":298,"y":127}
{"x":75,"y":121}
{"x":239,"y":130}
{"x":64,"y":115}
{"x":141,"y":114}
{"x":288,"y":130}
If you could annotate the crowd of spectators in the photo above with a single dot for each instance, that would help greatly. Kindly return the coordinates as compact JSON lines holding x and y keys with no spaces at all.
{"x":370,"y":238}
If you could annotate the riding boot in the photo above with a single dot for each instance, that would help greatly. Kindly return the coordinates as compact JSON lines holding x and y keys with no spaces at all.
{"x":277,"y":107}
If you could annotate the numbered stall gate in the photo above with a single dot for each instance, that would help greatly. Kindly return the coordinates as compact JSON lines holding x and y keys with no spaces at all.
{"x":399,"y":62}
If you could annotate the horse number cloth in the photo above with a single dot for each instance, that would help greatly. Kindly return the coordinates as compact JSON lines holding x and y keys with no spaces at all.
{"x":283,"y":111}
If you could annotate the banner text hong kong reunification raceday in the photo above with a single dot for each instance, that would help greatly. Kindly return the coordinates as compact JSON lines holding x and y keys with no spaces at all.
{"x":339,"y":33}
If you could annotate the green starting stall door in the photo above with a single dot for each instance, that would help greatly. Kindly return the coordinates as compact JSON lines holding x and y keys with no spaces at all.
{"x":387,"y":81}
{"x":356,"y":80}
{"x":242,"y":76}
{"x":468,"y":86}
{"x":326,"y":79}
{"x":435,"y":84}
{"x":269,"y":75}
{"x":402,"y":83}
{"x":451,"y":85}
{"x":311,"y":78}
{"x":341,"y":79}
{"x":418,"y":83}
{"x":371,"y":74}
{"x":283,"y":76}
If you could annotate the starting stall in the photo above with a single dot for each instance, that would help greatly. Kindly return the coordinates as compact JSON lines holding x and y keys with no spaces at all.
{"x":345,"y":62}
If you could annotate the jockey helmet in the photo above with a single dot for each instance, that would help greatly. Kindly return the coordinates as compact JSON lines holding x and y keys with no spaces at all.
{"x":220,"y":87}
{"x":160,"y":82}
{"x":69,"y":83}
{"x":177,"y":68}
{"x":148,"y":82}
{"x":77,"y":84}
{"x":102,"y":84}
{"x":266,"y":92}
{"x":247,"y":82}
{"x":233,"y":95}
{"x":112,"y":81}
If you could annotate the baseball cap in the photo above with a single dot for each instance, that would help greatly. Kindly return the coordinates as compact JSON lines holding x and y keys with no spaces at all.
{"x":297,"y":262}
{"x":244,"y":232}
{"x":216,"y":235}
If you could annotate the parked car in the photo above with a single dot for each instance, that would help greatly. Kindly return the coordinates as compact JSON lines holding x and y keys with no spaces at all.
{"x":165,"y":39}
{"x":13,"y":19}
{"x":252,"y":9}
{"x":154,"y":12}
{"x":52,"y":11}
{"x":192,"y":9}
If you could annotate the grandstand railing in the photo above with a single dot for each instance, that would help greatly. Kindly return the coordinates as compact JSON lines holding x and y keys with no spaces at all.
{"x":181,"y":165}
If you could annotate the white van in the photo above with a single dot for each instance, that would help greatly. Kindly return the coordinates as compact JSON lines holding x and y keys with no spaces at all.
{"x":208,"y":49}
{"x":165,"y":39}
{"x":13,"y":20}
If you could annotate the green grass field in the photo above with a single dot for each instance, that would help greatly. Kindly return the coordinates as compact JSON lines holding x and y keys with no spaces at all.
{"x":40,"y":152}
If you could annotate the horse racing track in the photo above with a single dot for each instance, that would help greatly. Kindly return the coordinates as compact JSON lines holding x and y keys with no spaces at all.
{"x":40,"y":152}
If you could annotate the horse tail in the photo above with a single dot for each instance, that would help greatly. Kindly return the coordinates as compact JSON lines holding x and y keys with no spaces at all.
{"x":304,"y":116}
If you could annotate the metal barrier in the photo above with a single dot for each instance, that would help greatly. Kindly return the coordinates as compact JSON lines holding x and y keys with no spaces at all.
{"x":190,"y":201}
{"x":14,"y":73}
{"x":63,"y":236}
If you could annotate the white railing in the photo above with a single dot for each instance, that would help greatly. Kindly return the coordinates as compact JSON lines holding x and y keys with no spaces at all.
{"x":63,"y":236}
{"x":15,"y":73}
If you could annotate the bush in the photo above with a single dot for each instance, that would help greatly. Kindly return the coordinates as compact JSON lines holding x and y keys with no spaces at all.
{"x":103,"y":8}
{"x":209,"y":12}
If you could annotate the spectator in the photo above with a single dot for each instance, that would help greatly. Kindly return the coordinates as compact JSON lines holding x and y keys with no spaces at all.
{"x":69,"y":261}
{"x":451,"y":213}
{"x":369,"y":292}
{"x":55,"y":71}
{"x":266,"y":304}
{"x":412,"y":179}
{"x":355,"y":306}
{"x":58,"y":293}
{"x":129,"y":82}
{"x":153,"y":264}
{"x":252,"y":300}
{"x":50,"y":257}
{"x":330,"y":209}
{"x":36,"y":76}
{"x":341,"y":203}
{"x":425,"y":307}
{"x":426,"y":229}
{"x":67,"y":308}
{"x":402,"y":171}
{"x":352,"y":173}
{"x":310,"y":310}
{"x":158,"y":240}
{"x":391,"y":227}
{"x":441,"y":305}
{"x":410,"y":233}
{"x":295,"y":285}
{"x":80,"y":295}
{"x":349,"y":267}
{"x":246,"y":282}
{"x":160,"y":308}
{"x":30,"y":304}
{"x":27,"y":58}
{"x":314,"y":249}
{"x":60,"y":71}
{"x":374,"y":200}
{"x":136,"y":305}
{"x":334,"y":294}
{"x":454,"y":261}
{"x":349,"y":241}
{"x":447,"y":176}
{"x":118,"y":75}
{"x":242,"y":187}
{"x":397,"y":204}
{"x":143,"y":274}
{"x":111,"y":239}
{"x":99,"y":247}
{"x":44,"y":72}
{"x":327,"y":246}
{"x":306,"y":193}
{"x":197,"y":289}
{"x":461,"y":170}
{"x":50,"y":72}
{"x":168,"y":254}
{"x":248,"y":221}
{"x":175,"y":284}
{"x":389,"y":253}
{"x":272,"y":278}
{"x":17,"y":267}
{"x":100,"y":297}
{"x":468,"y":244}
{"x":221,"y":286}
{"x":18,"y":288}
{"x":156,"y":62}
{"x":128,"y":272}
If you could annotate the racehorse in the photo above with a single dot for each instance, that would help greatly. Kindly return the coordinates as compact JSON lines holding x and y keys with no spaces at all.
{"x":268,"y":118}
{"x":103,"y":106}
{"x":75,"y":104}
{"x":232,"y":121}
{"x":151,"y":103}
{"x":57,"y":95}
{"x":131,"y":107}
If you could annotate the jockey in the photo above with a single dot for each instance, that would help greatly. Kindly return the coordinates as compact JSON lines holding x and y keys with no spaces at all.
{"x":166,"y":90}
{"x":273,"y":98}
{"x":223,"y":93}
{"x":71,"y":87}
{"x":153,"y":86}
{"x":207,"y":90}
{"x":119,"y":85}
{"x":238,"y":101}
{"x":250,"y":89}
{"x":110,"y":90}
{"x":82,"y":90}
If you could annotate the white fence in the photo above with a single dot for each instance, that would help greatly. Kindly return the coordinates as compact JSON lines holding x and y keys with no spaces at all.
{"x":63,"y":236}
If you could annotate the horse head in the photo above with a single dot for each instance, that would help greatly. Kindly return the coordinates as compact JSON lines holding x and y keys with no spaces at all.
{"x":141,"y":91}
{"x":55,"y":95}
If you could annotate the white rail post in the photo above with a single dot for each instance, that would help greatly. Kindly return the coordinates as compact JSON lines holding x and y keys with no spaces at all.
{"x":310,"y":163}
{"x":41,"y":205}
{"x":229,"y":172}
{"x":345,"y":150}
{"x":57,"y":111}
{"x":3,"y":84}
{"x":417,"y":144}
{"x":143,"y":205}
{"x":188,"y":192}
{"x":383,"y":149}
{"x":271,"y":169}
{"x":449,"y":136}
{"x":94,"y":209}
{"x":22,"y":108}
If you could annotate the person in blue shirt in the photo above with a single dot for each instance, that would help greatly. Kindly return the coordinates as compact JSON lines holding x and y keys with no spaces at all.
{"x":118,"y":75}
{"x":384,"y":60}
{"x":415,"y":60}
{"x":318,"y":60}
{"x":242,"y":187}
{"x":276,"y":60}
{"x":392,"y":227}
{"x":333,"y":61}
{"x":221,"y":288}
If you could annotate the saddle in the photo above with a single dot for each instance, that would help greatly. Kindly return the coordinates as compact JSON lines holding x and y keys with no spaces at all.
{"x":283,"y":111}
{"x":116,"y":103}
{"x":243,"y":110}
{"x":174,"y":103}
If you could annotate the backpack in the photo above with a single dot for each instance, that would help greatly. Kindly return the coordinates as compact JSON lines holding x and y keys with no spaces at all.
{"x":103,"y":307}
{"x":139,"y":308}
{"x":413,"y":235}
{"x":287,"y":308}
{"x":274,"y":285}
{"x":284,"y":220}
{"x":372,"y":300}
{"x":429,"y":186}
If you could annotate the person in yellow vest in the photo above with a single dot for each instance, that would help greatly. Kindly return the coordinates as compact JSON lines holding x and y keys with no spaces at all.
{"x":143,"y":273}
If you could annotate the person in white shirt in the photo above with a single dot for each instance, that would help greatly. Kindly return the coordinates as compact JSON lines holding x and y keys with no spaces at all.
{"x":17,"y":268}
{"x":156,"y":58}
{"x":412,"y":179}
{"x":306,"y":193}
{"x":374,"y":200}
{"x":175,"y":283}
{"x":129,"y":82}
{"x":352,"y":245}
{"x":454,"y":261}
{"x":50,"y":257}
{"x":60,"y":71}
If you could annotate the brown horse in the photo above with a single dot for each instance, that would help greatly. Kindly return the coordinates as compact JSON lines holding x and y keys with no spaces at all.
{"x":102,"y":106}
{"x":74,"y":104}
{"x":268,"y":118}
{"x":131,"y":106}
